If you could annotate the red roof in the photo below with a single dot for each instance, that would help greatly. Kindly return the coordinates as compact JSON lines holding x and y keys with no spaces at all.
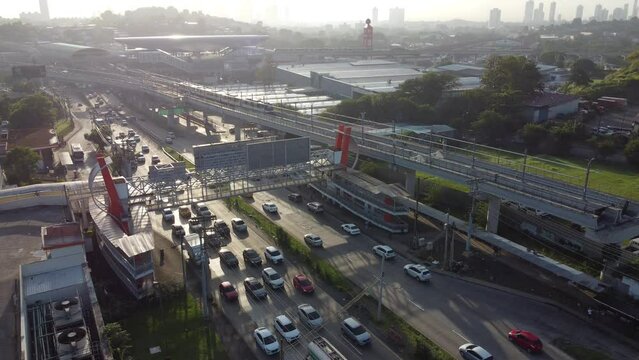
{"x":32,"y":138}
{"x":550,"y":99}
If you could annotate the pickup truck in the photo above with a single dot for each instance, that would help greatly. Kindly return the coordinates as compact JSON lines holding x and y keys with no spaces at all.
{"x":221,"y":228}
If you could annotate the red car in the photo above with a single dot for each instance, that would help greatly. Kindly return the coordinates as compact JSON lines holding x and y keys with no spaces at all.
{"x":228,"y":291}
{"x":303,"y":284}
{"x":526,"y":340}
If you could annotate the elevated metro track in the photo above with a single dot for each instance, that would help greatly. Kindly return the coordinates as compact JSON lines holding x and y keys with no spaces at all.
{"x":607,"y":218}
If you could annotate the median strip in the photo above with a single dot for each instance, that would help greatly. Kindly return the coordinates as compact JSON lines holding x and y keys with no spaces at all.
{"x":177,"y":157}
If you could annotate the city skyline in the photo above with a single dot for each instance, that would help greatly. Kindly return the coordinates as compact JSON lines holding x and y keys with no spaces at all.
{"x":297,"y":12}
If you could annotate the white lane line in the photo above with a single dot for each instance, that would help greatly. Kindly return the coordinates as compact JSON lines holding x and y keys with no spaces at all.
{"x":460,"y":335}
{"x":416,"y":305}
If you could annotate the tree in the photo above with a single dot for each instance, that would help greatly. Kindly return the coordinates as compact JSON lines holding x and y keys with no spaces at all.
{"x":427,"y":89}
{"x":32,"y":111}
{"x":533,"y":135}
{"x":632,"y":151}
{"x":582,"y":71}
{"x":553,"y":58}
{"x":491,"y":127}
{"x":119,"y":340}
{"x":605,"y":146}
{"x":512,"y":73}
{"x":579,"y":77}
{"x":20,"y":165}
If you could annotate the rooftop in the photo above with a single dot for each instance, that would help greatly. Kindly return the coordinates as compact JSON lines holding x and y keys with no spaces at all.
{"x":61,"y":235}
{"x":33,"y":138}
{"x":139,"y":242}
{"x":371,"y":184}
{"x":550,"y":99}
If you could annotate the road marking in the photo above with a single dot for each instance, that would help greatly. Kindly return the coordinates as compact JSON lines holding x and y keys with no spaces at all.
{"x":460,"y":335}
{"x":348,"y":341}
{"x":417,"y":305}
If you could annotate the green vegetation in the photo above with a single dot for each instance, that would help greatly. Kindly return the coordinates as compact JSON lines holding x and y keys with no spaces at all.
{"x":177,"y":157}
{"x":413,"y":342}
{"x":632,"y":151}
{"x":64,"y":128}
{"x":580,"y":352}
{"x":119,"y":340}
{"x":31,"y":112}
{"x":20,"y":165}
{"x":180,"y":334}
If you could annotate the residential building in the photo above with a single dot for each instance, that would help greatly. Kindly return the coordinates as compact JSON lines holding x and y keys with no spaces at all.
{"x":618,"y":14}
{"x":599,"y":13}
{"x":551,"y":13}
{"x":375,"y":15}
{"x":528,"y":14}
{"x":396,"y":17}
{"x":548,"y":106}
{"x":539,"y":15}
{"x":580,"y":12}
{"x":44,"y":10}
{"x":625,"y":11}
{"x":494,"y":21}
{"x":41,"y":140}
{"x":635,"y":9}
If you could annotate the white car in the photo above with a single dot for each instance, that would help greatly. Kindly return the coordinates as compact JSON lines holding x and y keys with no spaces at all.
{"x":384,"y":251}
{"x":474,"y":352}
{"x":417,"y":271}
{"x":355,"y":331}
{"x":167,"y":215}
{"x":269,"y":207}
{"x":145,"y":148}
{"x":272,"y":254}
{"x":286,"y":328}
{"x":271,"y":277}
{"x":351,"y":229}
{"x":266,"y":341}
{"x":309,"y":316}
{"x":238,"y":225}
{"x":313,"y":240}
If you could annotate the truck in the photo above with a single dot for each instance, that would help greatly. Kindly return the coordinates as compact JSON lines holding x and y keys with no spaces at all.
{"x":194,"y":247}
{"x":321,"y":349}
{"x":221,"y":228}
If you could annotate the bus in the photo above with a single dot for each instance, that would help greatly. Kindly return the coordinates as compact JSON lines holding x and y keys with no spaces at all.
{"x":77,"y":154}
{"x":321,"y":349}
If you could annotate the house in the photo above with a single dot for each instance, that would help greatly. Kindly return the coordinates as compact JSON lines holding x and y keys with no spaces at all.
{"x":547,"y":106}
{"x":41,"y":140}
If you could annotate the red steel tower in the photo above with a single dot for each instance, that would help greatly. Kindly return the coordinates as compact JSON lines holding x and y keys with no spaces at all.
{"x":367,"y":38}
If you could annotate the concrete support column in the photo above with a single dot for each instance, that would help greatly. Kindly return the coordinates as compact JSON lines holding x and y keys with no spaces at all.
{"x":170,"y":118}
{"x":411,"y":181}
{"x":188,"y":120}
{"x":238,"y":133}
{"x":492,"y":217}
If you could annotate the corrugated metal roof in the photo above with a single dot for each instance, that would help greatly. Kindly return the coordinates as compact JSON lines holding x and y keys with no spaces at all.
{"x":44,"y":282}
{"x":139,"y":242}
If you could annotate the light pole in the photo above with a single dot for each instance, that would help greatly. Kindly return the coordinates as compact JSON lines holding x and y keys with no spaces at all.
{"x":587,"y":177}
{"x":381,"y":287}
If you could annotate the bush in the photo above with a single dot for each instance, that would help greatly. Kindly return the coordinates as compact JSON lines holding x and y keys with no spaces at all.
{"x":632,"y":151}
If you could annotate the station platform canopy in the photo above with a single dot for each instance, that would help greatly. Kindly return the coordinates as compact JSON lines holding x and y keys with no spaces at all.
{"x":71,"y":51}
{"x":191,"y":42}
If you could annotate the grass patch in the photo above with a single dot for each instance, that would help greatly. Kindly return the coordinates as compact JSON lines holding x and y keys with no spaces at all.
{"x":180,"y":335}
{"x":176,"y":156}
{"x":429,"y":179}
{"x":413,"y":343}
{"x":580,"y":352}
{"x":64,"y":128}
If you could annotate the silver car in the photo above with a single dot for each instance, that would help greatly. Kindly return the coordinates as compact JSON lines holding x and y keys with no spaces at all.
{"x":309,"y":316}
{"x":255,"y":288}
{"x":355,"y":331}
{"x":313,"y":240}
{"x":474,"y":352}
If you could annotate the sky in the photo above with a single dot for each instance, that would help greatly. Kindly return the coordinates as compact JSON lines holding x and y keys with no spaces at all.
{"x":315,"y":12}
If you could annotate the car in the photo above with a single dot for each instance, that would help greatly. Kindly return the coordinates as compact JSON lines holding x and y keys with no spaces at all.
{"x":140,"y":159}
{"x":272,"y":278}
{"x":313,"y":240}
{"x":541,"y":214}
{"x":238,"y":225}
{"x":255,"y":288}
{"x":168,"y":140}
{"x":474,"y":352}
{"x":352,"y":229}
{"x":228,"y":291}
{"x":167,"y":215}
{"x":137,"y":138}
{"x":303,"y":284}
{"x":287,"y":329}
{"x":309,"y":316}
{"x":384,"y":251}
{"x":124,"y":123}
{"x":108,"y":139}
{"x":145,"y":148}
{"x":171,"y":134}
{"x":417,"y":271}
{"x":269,"y":207}
{"x":315,"y":207}
{"x":272,"y":254}
{"x":184,"y":212}
{"x":131,"y":133}
{"x":355,"y":331}
{"x":295,"y":197}
{"x":228,"y":258}
{"x":195,"y":226}
{"x":526,"y":340}
{"x":251,"y":257}
{"x":122,"y":135}
{"x":202,"y":210}
{"x":177,"y":230}
{"x":221,"y":228}
{"x":155,"y":159}
{"x":266,"y":341}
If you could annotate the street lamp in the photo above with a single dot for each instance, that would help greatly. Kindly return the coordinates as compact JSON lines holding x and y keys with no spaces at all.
{"x":587,"y":177}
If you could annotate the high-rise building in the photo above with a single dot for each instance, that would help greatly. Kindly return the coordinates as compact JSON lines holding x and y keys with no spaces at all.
{"x":44,"y":9}
{"x":559,"y":19}
{"x":625,"y":11}
{"x":580,"y":12}
{"x":528,"y":15}
{"x":551,"y":13}
{"x":396,"y":17}
{"x":604,"y":15}
{"x":635,"y":10}
{"x":618,"y":14}
{"x":375,"y":15}
{"x":495,"y":18}
{"x":598,"y":12}
{"x":539,"y":15}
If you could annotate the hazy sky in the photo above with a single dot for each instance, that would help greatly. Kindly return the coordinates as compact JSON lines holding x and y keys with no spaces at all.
{"x":317,"y":11}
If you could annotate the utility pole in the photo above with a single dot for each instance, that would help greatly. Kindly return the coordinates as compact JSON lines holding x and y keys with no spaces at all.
{"x":361,"y":124}
{"x":523,"y":172}
{"x":416,"y":208}
{"x":445,"y":258}
{"x":381,"y":286}
{"x":587,"y":178}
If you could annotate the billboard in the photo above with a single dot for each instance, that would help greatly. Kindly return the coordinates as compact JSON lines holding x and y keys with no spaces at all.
{"x":167,"y":173}
{"x":252,"y":154}
{"x":28,"y":71}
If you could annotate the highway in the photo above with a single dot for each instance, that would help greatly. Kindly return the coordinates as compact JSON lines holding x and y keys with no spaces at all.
{"x":448,"y":311}
{"x":248,"y":313}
